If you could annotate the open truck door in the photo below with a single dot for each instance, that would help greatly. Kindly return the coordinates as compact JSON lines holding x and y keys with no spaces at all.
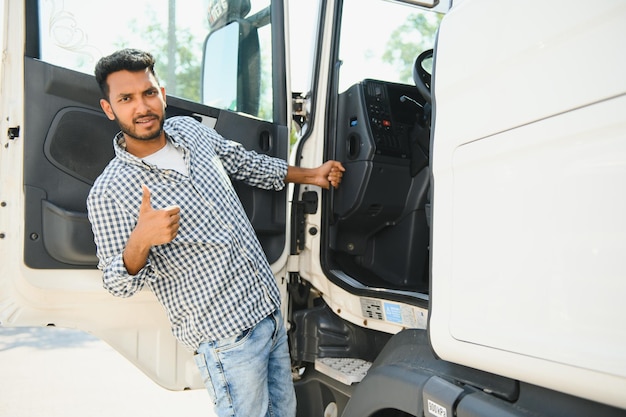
{"x":470,"y":264}
{"x":60,"y":140}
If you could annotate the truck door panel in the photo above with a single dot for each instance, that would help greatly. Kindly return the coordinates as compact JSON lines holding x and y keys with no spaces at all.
{"x":70,"y":142}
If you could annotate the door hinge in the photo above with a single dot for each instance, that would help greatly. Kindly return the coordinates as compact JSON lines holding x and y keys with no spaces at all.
{"x":298,"y":109}
{"x":306,"y":205}
{"x":13,"y":132}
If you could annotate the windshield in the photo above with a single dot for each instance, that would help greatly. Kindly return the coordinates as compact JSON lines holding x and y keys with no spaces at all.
{"x":380,"y":40}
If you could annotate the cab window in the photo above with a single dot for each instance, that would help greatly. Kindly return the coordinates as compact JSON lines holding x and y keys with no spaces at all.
{"x":387,"y":53}
{"x":75,"y":34}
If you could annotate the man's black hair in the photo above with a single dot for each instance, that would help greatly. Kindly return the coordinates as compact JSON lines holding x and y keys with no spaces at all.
{"x":124,"y":59}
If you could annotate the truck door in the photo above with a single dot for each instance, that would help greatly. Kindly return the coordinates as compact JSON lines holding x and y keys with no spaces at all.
{"x":60,"y":142}
{"x":495,"y":243}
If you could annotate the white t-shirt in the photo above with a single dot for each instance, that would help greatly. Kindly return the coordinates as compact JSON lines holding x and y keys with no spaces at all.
{"x":168,"y":157}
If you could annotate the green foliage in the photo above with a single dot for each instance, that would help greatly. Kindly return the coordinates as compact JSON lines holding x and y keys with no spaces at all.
{"x":188,"y":65}
{"x":188,"y":56}
{"x":266,"y":99}
{"x":411,"y":38}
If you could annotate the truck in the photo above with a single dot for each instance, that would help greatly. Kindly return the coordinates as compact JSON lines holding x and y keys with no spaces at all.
{"x":470,"y":264}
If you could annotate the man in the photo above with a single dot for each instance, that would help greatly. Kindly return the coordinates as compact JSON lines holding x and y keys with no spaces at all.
{"x":164,"y":214}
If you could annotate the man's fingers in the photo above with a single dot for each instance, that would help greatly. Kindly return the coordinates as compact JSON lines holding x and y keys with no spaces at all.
{"x":336,"y":173}
{"x":172,"y":209}
{"x":156,"y":226}
{"x":174,"y":216}
{"x":145,"y":198}
{"x":338,"y":166}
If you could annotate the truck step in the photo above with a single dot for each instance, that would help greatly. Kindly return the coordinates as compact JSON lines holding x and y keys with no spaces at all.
{"x":345,"y":370}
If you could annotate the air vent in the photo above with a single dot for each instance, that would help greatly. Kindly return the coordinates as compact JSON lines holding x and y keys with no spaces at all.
{"x":376,"y":90}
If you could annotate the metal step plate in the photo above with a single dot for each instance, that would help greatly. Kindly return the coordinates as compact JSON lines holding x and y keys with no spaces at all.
{"x":345,"y":370}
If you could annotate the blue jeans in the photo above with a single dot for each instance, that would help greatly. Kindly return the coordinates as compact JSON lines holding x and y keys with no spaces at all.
{"x":249,"y":375}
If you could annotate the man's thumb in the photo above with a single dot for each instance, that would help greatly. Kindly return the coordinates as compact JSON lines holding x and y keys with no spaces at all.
{"x":145,"y":199}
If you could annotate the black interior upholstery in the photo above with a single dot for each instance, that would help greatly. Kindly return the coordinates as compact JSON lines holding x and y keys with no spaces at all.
{"x":380,"y":235}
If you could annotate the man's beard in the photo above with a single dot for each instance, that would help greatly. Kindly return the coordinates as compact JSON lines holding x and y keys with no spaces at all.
{"x":130,"y":131}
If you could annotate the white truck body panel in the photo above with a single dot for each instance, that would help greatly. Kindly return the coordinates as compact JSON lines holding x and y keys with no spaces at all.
{"x":529,"y":167}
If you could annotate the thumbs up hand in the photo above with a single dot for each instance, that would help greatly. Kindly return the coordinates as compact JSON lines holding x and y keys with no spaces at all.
{"x":156,"y":226}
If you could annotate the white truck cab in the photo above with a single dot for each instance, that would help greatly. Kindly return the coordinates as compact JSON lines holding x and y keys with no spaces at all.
{"x":470,"y":264}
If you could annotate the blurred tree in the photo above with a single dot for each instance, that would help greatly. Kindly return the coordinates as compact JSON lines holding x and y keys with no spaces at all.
{"x":184,"y":48}
{"x":409,"y":40}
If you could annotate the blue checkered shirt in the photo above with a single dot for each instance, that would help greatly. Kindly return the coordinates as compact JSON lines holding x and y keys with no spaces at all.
{"x":213,"y":279}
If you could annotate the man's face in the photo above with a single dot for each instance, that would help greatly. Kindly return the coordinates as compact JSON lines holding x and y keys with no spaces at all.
{"x":137,"y":103}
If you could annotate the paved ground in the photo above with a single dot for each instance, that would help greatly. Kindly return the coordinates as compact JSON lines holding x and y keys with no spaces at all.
{"x":51,"y":372}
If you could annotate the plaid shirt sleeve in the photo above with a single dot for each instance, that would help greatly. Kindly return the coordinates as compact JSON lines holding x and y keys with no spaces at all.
{"x":112,"y":226}
{"x":250,"y":167}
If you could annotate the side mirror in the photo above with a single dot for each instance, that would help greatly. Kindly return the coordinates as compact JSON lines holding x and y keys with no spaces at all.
{"x":231,"y":68}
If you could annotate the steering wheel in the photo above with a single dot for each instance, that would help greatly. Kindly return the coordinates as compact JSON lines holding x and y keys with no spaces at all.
{"x":421,"y":77}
